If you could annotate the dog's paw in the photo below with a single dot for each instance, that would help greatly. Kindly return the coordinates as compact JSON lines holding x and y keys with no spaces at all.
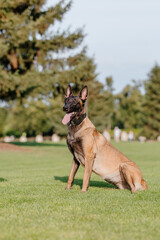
{"x":83,"y":190}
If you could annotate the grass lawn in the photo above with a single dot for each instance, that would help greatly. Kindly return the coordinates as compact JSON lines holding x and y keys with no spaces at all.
{"x":35,"y":206}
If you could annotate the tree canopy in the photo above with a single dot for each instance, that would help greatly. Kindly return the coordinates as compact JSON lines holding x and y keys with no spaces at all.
{"x":151,"y":126}
{"x":37,"y":62}
{"x":31,"y":57}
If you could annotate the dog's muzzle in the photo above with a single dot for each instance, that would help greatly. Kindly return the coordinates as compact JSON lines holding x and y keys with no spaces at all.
{"x":65,"y":109}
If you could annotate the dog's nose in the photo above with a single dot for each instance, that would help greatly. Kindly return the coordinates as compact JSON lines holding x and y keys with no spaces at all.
{"x":64,"y":108}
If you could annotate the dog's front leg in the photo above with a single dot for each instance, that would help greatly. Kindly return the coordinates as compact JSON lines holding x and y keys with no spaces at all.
{"x":87,"y":172}
{"x":75,"y":166}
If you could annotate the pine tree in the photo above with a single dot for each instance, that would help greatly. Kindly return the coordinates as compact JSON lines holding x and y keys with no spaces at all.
{"x":3,"y":117}
{"x":109,"y":102}
{"x":129,"y":107}
{"x":37,"y":64}
{"x":152,"y":104}
{"x":101,"y":104}
{"x":29,"y":59}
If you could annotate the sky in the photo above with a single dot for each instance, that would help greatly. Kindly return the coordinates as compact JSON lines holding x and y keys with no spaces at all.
{"x":123,"y":36}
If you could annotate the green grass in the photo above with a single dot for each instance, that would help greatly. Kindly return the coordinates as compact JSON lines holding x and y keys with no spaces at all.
{"x":35,"y":206}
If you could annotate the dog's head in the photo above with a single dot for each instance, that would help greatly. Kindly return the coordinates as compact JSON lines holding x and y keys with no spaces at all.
{"x":74,"y":105}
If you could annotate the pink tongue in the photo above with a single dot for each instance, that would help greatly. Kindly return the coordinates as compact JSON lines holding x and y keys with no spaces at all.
{"x":66,"y":118}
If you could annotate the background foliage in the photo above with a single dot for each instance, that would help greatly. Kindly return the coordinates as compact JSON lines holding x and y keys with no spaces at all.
{"x":37,"y":62}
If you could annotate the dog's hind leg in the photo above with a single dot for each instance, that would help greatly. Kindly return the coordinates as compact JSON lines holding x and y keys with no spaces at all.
{"x":144,"y":184}
{"x":133,"y":176}
{"x":127,"y":176}
{"x":75,"y":166}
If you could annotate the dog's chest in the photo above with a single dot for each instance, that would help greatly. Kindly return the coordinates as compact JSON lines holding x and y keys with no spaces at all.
{"x":76,"y":147}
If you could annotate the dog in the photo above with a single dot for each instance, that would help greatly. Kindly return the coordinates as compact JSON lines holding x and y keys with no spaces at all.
{"x":91,"y":149}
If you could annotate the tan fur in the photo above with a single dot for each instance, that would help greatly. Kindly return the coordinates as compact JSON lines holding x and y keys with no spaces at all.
{"x":96,"y":154}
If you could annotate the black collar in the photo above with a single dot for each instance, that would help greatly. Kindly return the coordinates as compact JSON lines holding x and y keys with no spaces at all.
{"x":78,"y":121}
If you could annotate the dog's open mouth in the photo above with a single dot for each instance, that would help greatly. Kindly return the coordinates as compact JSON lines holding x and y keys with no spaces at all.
{"x":67,"y":118}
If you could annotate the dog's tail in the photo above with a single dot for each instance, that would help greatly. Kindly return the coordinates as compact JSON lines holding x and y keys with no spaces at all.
{"x":144,"y":184}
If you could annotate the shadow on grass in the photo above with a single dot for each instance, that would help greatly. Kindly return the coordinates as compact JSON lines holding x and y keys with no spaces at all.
{"x":92,"y":183}
{"x":3,"y":180}
{"x":35,"y":144}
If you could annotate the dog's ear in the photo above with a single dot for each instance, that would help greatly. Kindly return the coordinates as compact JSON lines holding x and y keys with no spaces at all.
{"x":84,"y":93}
{"x":68,"y":91}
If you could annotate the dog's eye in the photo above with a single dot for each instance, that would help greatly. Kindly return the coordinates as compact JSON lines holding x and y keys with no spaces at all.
{"x":78,"y":104}
{"x":66,"y":100}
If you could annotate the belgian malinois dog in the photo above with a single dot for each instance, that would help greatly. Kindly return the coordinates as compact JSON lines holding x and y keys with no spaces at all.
{"x":93,"y":151}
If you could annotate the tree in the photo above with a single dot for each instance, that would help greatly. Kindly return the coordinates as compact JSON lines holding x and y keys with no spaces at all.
{"x":27,"y":64}
{"x":36,"y":64}
{"x":152,"y":104}
{"x":101,"y":104}
{"x":109,"y":102}
{"x":129,"y":107}
{"x":3,"y":117}
{"x":35,"y":117}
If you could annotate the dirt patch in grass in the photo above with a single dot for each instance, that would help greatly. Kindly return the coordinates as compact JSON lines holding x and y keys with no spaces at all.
{"x":11,"y":147}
